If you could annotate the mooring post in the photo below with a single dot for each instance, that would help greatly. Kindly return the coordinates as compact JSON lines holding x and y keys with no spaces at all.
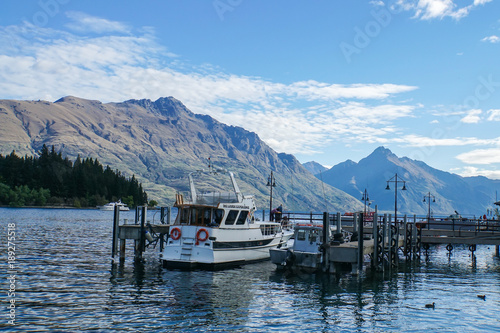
{"x":143,"y":230}
{"x":497,"y":250}
{"x":375,"y":238}
{"x":405,"y":235}
{"x":326,"y":240}
{"x":384,"y":239}
{"x":122,"y":250}
{"x":139,"y":245}
{"x":136,"y":218}
{"x":355,"y":222}
{"x":168,"y":215}
{"x":390,"y":236}
{"x":360,"y":242}
{"x":162,"y":215}
{"x":116,"y":226}
{"x":339,"y":223}
{"x":414,"y":237}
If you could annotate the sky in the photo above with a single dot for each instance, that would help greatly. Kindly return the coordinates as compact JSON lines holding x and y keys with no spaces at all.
{"x":326,"y":81}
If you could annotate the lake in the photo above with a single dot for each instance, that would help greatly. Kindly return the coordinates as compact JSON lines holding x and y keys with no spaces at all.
{"x":65,"y":282}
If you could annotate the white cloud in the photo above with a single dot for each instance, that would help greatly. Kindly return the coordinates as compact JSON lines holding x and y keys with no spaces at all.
{"x":85,"y":23}
{"x":481,"y":156}
{"x":117,"y":67}
{"x":491,"y":39}
{"x":472,"y":117}
{"x":413,"y":140}
{"x":470,"y":171}
{"x":438,"y":9}
{"x":494,"y":115}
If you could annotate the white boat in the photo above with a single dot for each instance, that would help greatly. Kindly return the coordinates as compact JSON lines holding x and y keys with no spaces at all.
{"x":305,"y":251}
{"x":218,"y":229}
{"x":111,"y":206}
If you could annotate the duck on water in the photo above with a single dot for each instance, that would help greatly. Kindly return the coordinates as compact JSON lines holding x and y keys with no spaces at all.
{"x":217,"y":229}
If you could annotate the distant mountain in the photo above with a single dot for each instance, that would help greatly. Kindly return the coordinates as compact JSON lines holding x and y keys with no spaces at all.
{"x":314,"y":167}
{"x":161,"y":142}
{"x":467,"y":195}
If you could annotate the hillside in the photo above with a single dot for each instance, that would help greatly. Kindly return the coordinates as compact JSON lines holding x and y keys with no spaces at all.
{"x":467,"y":195}
{"x":160,"y":142}
{"x":314,"y":167}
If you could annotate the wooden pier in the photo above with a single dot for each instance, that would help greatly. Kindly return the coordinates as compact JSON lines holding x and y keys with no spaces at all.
{"x":377,"y":237}
{"x":382,"y":239}
{"x":141,"y":232}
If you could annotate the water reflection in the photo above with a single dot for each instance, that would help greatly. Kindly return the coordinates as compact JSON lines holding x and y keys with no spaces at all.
{"x":67,"y":283}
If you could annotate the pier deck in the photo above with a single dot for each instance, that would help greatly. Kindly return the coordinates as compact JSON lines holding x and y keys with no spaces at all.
{"x":348,"y":252}
{"x":133,"y":231}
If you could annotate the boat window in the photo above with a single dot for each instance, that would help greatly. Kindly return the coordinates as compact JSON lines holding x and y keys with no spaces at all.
{"x":312,"y":236}
{"x":231,"y":217}
{"x":243,"y":217}
{"x":218,"y":215}
{"x":301,"y":235}
{"x":183,"y":216}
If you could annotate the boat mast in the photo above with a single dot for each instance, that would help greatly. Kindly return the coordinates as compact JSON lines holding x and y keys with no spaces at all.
{"x":235,"y":186}
{"x":193,"y":188}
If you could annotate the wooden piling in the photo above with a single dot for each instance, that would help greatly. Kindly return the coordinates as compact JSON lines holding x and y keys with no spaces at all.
{"x":326,"y":240}
{"x":122,"y":250}
{"x":375,"y":240}
{"x":339,"y":222}
{"x":116,"y":222}
{"x":360,"y":242}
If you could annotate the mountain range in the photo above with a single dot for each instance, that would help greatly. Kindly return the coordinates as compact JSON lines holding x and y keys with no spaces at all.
{"x":447,"y":192}
{"x":160,"y":142}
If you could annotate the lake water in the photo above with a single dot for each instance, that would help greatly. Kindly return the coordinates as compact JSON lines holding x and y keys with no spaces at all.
{"x":65,"y":282}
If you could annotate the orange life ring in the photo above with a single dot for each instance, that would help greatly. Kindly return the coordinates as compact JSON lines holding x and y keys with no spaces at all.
{"x":201,"y":239}
{"x":175,"y":233}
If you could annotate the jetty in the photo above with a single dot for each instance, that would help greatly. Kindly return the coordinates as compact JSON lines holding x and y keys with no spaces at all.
{"x":141,"y":231}
{"x":375,"y":241}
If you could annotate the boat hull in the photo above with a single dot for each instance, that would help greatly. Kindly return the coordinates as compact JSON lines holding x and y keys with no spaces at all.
{"x":221,"y":248}
{"x":290,"y":259}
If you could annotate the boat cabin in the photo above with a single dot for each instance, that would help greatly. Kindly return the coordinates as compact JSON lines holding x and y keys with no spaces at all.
{"x":307,"y":237}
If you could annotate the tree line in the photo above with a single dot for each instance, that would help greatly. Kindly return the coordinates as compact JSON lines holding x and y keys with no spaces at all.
{"x":51,"y":179}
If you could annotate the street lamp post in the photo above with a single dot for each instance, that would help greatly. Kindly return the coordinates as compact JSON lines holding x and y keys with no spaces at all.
{"x":429,"y":196}
{"x":271,"y":183}
{"x":395,"y":180}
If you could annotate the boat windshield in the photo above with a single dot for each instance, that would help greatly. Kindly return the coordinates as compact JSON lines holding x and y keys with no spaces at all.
{"x":203,"y":216}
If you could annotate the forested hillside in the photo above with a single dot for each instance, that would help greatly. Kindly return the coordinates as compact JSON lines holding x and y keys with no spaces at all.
{"x":51,"y":179}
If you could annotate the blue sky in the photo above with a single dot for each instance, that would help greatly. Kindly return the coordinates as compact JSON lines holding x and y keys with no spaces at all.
{"x":323,"y":80}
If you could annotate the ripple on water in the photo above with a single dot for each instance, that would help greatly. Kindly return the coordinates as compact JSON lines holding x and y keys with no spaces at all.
{"x":67,"y":283}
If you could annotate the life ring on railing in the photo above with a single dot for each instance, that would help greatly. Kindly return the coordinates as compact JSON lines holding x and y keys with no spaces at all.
{"x":175,"y":233}
{"x":200,"y":238}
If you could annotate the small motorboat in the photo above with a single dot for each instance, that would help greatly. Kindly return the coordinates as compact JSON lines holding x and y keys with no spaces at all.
{"x":111,"y":206}
{"x":304,"y":251}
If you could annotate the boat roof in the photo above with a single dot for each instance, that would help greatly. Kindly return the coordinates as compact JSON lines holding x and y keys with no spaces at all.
{"x":215,"y":197}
